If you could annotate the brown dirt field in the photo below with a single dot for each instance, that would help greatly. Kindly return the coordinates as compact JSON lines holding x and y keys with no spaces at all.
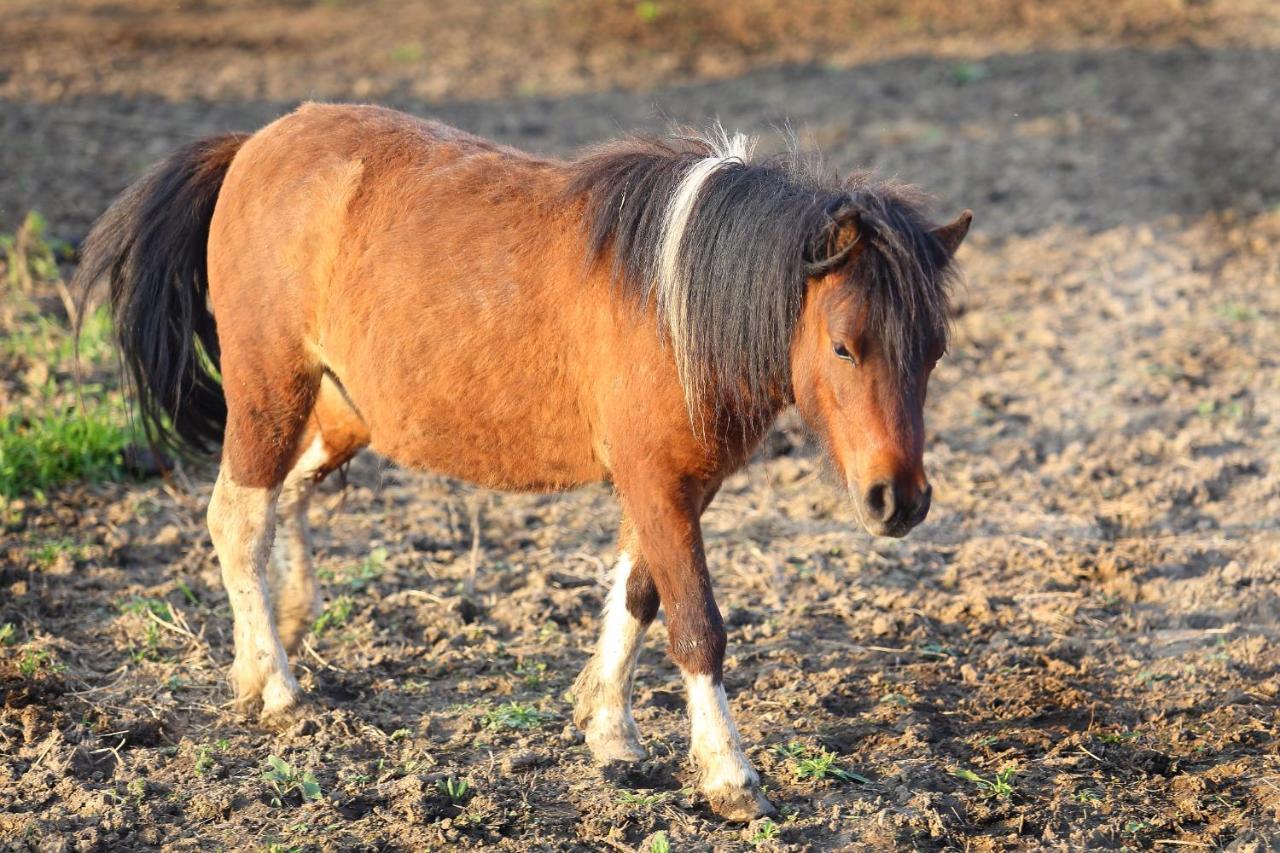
{"x":1092,"y":604}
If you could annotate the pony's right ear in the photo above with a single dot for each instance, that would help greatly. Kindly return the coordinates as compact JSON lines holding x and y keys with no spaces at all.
{"x":833,"y":245}
{"x":952,"y":234}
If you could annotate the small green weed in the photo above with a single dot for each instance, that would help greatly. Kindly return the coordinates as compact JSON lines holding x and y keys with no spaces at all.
{"x":967,"y":73}
{"x":407,"y":53}
{"x":648,"y":11}
{"x":150,"y":647}
{"x":1001,"y":786}
{"x":368,"y":570}
{"x":204,"y":759}
{"x":334,"y":615}
{"x":531,"y":672}
{"x":455,"y":789}
{"x":513,"y":715}
{"x":1087,"y":796}
{"x":632,"y":798}
{"x":8,"y":634}
{"x":816,"y":764}
{"x":46,"y":554}
{"x":37,"y":660}
{"x":286,"y":780}
{"x":141,"y":606}
{"x":766,"y":831}
{"x":660,"y":843}
{"x":1237,"y":312}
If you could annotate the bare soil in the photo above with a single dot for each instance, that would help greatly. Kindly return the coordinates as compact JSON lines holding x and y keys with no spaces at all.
{"x":1092,"y":605}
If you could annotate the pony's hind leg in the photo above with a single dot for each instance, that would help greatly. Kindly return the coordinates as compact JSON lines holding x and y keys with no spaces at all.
{"x":242,"y":522}
{"x":602,"y":693}
{"x":335,"y":434}
{"x":268,"y":403}
{"x":292,"y":578}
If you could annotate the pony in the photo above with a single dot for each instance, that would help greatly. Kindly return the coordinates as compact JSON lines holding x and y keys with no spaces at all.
{"x":351,"y":276}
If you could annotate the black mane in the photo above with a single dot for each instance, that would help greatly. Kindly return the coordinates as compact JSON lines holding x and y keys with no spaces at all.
{"x":746,"y":255}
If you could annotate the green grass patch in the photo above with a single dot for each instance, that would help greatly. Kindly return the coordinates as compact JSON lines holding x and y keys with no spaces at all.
{"x":56,"y":431}
{"x":513,"y":715}
{"x":63,"y":443}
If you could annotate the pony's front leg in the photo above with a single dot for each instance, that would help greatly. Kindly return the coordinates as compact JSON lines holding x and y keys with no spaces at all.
{"x":602,"y":693}
{"x":671,"y":542}
{"x":242,"y":522}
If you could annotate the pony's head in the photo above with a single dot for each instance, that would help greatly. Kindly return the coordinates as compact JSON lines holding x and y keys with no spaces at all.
{"x":872,"y":327}
{"x":773,"y":281}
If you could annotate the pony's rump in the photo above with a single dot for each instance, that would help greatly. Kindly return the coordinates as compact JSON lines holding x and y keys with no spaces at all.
{"x":150,"y":246}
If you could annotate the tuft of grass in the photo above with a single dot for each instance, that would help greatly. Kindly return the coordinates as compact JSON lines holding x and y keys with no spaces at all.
{"x":408,"y":52}
{"x":531,"y":672}
{"x":766,"y":830}
{"x":56,"y":432}
{"x":368,"y":570}
{"x":1237,"y":312}
{"x":63,"y":443}
{"x":204,"y":759}
{"x":141,"y":606}
{"x":648,"y":11}
{"x":633,"y":798}
{"x":513,"y":715}
{"x":47,"y":553}
{"x":36,"y":660}
{"x":334,"y":615}
{"x":1087,"y":796}
{"x":967,"y":73}
{"x":455,"y":789}
{"x":816,"y":764}
{"x":1001,"y":786}
{"x":660,"y":843}
{"x":30,"y":256}
{"x":286,"y":780}
{"x":8,"y":634}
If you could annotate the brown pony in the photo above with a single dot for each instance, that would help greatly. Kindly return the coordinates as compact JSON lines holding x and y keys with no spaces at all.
{"x":350,"y":276}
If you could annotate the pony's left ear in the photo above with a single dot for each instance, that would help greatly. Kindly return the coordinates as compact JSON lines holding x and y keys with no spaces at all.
{"x":834,"y":243}
{"x":953,"y":234}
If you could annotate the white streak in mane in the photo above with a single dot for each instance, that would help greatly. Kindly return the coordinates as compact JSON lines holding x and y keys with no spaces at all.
{"x":673,"y":286}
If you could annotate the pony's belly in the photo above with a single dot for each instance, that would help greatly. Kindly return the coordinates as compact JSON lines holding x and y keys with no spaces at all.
{"x":529,"y":457}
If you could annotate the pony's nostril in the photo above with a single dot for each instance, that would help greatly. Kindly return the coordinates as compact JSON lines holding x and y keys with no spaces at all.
{"x":880,"y":501}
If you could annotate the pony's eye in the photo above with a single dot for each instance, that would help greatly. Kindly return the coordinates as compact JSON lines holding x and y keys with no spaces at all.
{"x":843,"y":352}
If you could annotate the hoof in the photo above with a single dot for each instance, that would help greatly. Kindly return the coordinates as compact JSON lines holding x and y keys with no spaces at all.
{"x":276,"y":696}
{"x":284,"y":718}
{"x":739,"y":805}
{"x":607,"y":748}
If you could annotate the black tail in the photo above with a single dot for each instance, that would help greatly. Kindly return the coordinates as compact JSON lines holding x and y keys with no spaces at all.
{"x":151,"y":246}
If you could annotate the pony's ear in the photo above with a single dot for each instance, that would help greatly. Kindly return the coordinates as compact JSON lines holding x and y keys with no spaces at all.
{"x":834,"y":243}
{"x":953,"y":234}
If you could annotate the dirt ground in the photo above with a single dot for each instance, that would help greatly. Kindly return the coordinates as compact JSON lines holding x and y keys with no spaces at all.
{"x":1079,"y":650}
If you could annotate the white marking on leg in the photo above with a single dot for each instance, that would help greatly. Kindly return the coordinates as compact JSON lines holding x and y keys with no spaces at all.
{"x":713,"y":739}
{"x":673,"y":286}
{"x":606,"y":708}
{"x":293,"y":585}
{"x":241,"y":521}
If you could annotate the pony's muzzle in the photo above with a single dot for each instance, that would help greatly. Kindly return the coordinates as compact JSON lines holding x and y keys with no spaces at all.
{"x":890,"y":508}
